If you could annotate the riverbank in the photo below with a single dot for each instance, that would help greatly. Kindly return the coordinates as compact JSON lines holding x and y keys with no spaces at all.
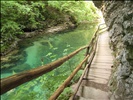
{"x":52,"y":30}
{"x":6,"y":56}
{"x":46,"y":37}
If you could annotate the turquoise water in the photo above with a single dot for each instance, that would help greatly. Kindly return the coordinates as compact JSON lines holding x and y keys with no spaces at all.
{"x":48,"y":48}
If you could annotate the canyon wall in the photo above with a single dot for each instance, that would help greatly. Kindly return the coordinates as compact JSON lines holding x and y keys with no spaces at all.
{"x":118,"y":17}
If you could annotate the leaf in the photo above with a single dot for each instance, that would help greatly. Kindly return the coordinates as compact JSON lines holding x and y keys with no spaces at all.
{"x":65,"y":50}
{"x":55,"y":48}
{"x":49,"y":54}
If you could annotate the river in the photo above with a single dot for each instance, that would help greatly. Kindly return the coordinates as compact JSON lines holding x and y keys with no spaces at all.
{"x":40,"y":50}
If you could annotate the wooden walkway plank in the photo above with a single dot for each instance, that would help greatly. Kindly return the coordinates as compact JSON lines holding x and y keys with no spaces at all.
{"x":103,"y":56}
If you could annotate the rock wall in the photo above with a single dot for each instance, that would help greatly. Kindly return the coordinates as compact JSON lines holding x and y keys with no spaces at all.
{"x":119,"y":18}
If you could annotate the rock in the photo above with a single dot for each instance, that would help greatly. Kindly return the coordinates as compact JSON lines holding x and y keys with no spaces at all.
{"x":14,"y":56}
{"x":126,"y":24}
{"x":98,"y":4}
{"x":128,"y":39}
{"x":6,"y":66}
{"x":119,"y":18}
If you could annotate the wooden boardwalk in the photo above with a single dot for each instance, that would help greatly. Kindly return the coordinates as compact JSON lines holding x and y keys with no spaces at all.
{"x":95,"y":87}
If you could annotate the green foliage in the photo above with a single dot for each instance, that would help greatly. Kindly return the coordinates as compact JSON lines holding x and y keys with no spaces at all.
{"x":9,"y":27}
{"x":80,"y":10}
{"x":18,"y":16}
{"x":65,"y":95}
{"x":77,"y":76}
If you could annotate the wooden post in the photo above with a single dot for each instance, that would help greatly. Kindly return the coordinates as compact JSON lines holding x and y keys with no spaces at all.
{"x":87,"y":52}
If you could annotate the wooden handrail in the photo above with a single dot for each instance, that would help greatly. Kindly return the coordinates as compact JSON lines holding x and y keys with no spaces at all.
{"x":93,"y":38}
{"x":87,"y":65}
{"x":20,"y":78}
{"x":67,"y":81}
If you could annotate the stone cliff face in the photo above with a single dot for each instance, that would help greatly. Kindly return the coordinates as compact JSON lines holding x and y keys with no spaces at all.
{"x":119,"y":18}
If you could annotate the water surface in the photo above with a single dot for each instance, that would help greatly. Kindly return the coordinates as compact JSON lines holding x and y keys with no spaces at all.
{"x":47,"y":48}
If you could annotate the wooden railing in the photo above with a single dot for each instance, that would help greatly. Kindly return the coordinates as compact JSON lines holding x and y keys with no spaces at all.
{"x":20,"y":78}
{"x":88,"y":63}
